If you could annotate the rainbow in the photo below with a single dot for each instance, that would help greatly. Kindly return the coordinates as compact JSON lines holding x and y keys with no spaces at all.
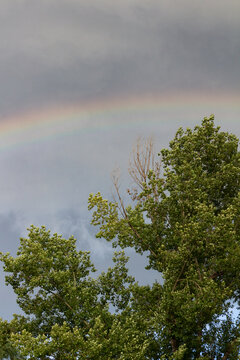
{"x":68,"y":119}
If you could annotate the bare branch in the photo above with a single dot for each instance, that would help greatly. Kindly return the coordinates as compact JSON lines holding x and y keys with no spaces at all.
{"x":142,"y":161}
{"x":122,"y":209}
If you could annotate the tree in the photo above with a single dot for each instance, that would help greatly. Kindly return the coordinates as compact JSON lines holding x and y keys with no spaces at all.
{"x":7,"y":350}
{"x":67,"y":309}
{"x":186,"y":219}
{"x":184,"y":214}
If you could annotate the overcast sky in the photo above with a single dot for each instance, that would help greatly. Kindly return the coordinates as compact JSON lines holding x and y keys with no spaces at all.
{"x":59,"y":52}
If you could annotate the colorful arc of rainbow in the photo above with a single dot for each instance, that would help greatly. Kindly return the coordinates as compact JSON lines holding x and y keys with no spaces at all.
{"x":64,"y":119}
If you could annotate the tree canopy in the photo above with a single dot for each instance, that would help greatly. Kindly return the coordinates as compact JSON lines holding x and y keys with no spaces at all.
{"x":184,"y":215}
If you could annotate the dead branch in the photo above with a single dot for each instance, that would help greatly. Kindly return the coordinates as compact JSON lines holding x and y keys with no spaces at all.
{"x":142,"y":161}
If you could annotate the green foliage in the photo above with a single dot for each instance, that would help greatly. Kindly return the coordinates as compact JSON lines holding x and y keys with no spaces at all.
{"x":67,"y":310}
{"x":186,"y":219}
{"x":7,"y":349}
{"x":187,"y":222}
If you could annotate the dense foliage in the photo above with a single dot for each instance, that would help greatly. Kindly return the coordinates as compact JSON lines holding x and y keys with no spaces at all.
{"x":67,"y":309}
{"x":186,"y":219}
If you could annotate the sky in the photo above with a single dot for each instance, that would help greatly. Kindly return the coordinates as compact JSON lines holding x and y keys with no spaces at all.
{"x":80,"y":81}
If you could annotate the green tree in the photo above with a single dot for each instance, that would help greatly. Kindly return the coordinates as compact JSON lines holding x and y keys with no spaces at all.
{"x":7,"y":350}
{"x":184,"y":215}
{"x":66,"y":309}
{"x":186,"y":219}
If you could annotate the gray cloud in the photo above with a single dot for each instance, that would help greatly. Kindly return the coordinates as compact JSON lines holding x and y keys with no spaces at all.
{"x":10,"y":231}
{"x":9,"y":236}
{"x":101,"y":251}
{"x":56,"y":51}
